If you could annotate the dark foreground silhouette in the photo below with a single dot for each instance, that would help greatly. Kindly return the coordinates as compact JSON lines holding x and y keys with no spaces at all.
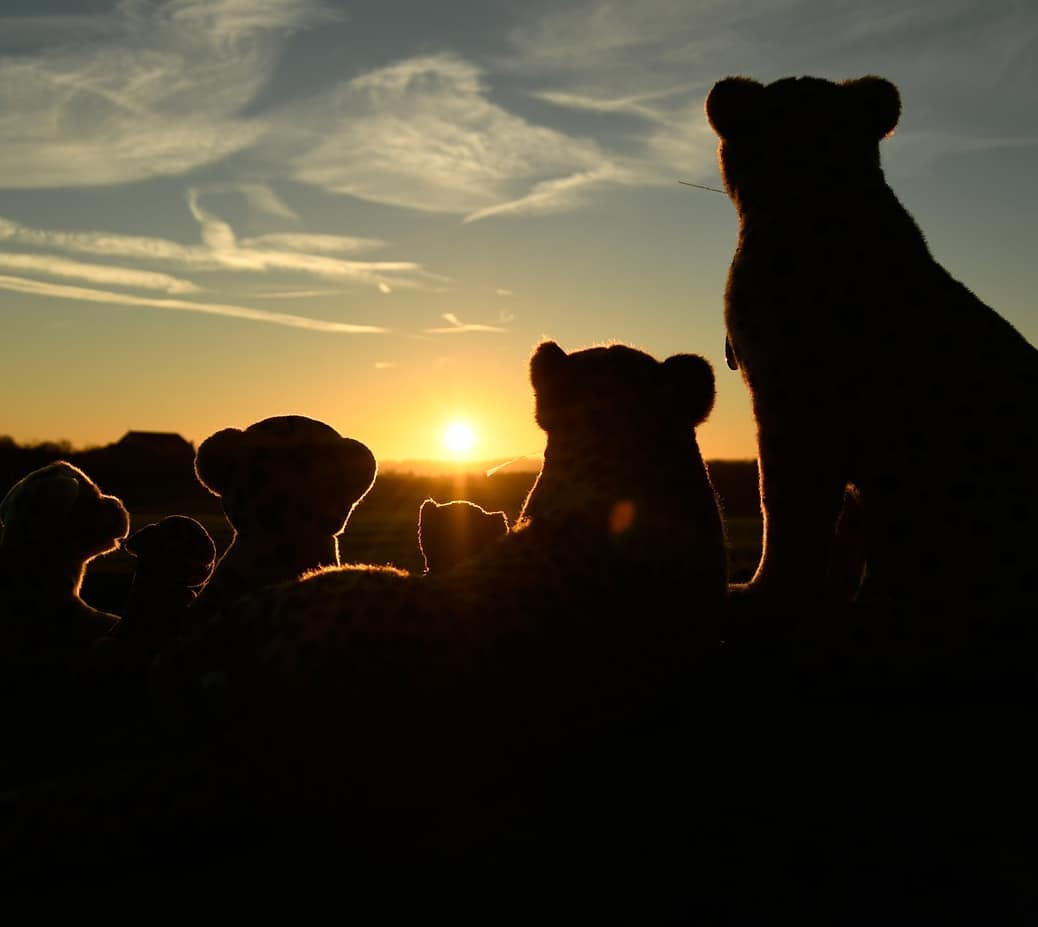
{"x":740,"y":786}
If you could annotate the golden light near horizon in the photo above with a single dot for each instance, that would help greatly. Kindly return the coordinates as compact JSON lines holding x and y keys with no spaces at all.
{"x":459,"y":438}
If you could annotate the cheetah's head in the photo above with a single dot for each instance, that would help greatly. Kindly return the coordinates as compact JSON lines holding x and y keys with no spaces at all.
{"x":177,"y":547}
{"x":59,"y":511}
{"x":615,"y":418}
{"x":800,"y":136}
{"x":286,"y":475}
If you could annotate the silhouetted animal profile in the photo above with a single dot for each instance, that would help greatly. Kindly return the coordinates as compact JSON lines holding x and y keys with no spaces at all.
{"x":54,"y":522}
{"x":288,"y":485}
{"x":868,"y":364}
{"x":451,"y":532}
{"x":175,"y":557}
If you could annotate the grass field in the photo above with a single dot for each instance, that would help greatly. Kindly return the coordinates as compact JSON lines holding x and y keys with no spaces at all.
{"x":384,"y":526}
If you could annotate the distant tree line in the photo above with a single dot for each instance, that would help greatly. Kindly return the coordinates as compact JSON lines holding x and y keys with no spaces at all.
{"x":156,"y":470}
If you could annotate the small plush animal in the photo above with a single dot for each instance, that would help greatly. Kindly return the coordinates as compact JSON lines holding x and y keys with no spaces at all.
{"x":288,"y":485}
{"x":869,"y":365}
{"x":452,"y":532}
{"x":175,"y":557}
{"x":54,"y":522}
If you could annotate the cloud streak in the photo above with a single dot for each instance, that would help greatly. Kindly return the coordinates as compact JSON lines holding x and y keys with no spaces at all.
{"x":83,"y":294}
{"x":550,"y":195}
{"x":457,"y":327}
{"x":96,"y":274}
{"x":322,"y":244}
{"x":221,"y":250}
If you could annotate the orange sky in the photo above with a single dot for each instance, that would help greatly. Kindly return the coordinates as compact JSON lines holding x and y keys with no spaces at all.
{"x":209,"y":217}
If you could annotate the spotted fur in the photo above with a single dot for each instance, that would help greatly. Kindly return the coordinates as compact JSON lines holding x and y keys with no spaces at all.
{"x":869,"y":365}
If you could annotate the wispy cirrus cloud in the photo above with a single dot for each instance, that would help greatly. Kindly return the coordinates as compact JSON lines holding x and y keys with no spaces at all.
{"x":551,"y":195}
{"x":321,"y":244}
{"x":221,"y":250}
{"x":293,"y":294}
{"x":456,"y":327}
{"x":641,"y":71}
{"x":633,"y":105}
{"x":99,"y":274}
{"x":152,"y":89}
{"x":261,"y":197}
{"x":83,"y":294}
{"x":424,"y":134}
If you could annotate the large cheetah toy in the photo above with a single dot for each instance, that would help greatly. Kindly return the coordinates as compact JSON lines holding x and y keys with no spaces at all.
{"x":54,"y":522}
{"x":869,"y":365}
{"x":288,"y":486}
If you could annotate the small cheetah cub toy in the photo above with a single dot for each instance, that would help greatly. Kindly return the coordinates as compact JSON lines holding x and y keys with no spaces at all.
{"x":452,"y":532}
{"x":175,"y":558}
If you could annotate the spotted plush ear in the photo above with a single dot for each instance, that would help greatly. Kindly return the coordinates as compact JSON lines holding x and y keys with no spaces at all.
{"x":691,"y":379}
{"x":216,"y":458}
{"x":876,"y":103}
{"x":549,"y":376}
{"x":38,"y":504}
{"x":733,"y":105}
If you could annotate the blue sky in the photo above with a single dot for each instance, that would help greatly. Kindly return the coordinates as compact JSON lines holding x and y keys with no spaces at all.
{"x":370,"y":213}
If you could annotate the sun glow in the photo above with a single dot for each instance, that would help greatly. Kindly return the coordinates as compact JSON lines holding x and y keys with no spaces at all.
{"x":459,"y":438}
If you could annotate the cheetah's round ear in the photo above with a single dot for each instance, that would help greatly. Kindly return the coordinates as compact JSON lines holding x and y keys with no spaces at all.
{"x":549,"y":374}
{"x":548,"y":366}
{"x":216,"y":458}
{"x":733,"y":105}
{"x":356,"y":467}
{"x":692,"y":379}
{"x":427,"y":509}
{"x":876,"y":102}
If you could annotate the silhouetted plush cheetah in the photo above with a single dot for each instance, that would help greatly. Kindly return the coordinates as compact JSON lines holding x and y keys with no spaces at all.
{"x":53,"y":522}
{"x":452,"y":532}
{"x":868,"y":364}
{"x":175,"y":557}
{"x":288,"y":486}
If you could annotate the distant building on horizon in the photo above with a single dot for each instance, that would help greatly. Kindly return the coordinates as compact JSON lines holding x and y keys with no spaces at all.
{"x":156,"y":443}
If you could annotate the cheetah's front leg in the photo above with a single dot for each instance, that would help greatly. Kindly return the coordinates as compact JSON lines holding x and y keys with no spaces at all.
{"x":802,"y":484}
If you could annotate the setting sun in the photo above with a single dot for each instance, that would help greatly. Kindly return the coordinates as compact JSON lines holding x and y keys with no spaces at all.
{"x":459,"y":438}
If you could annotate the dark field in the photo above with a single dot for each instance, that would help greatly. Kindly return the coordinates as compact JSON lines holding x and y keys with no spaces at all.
{"x":384,"y":526}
